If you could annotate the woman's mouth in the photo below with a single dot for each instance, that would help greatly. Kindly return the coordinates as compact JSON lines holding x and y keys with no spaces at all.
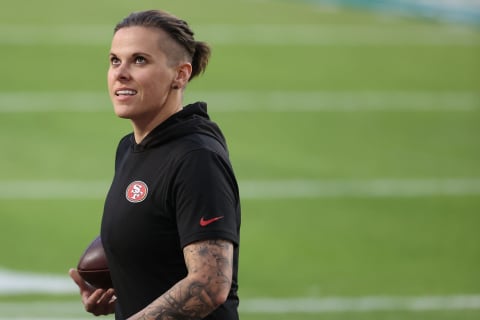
{"x":125,"y":92}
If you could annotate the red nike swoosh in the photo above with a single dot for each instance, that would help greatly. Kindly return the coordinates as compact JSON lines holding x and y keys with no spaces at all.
{"x":205,"y":223}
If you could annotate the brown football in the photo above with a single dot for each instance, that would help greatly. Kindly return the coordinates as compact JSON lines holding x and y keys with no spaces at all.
{"x":93,"y":266}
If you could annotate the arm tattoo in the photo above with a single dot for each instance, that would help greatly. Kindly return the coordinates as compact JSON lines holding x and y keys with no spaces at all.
{"x":209,"y":265}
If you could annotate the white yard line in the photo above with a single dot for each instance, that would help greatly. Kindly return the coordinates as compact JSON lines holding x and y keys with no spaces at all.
{"x":262,"y":189}
{"x":253,"y":101}
{"x":285,"y":189}
{"x":60,"y":317}
{"x":260,"y":35}
{"x":14,"y":282}
{"x":361,"y":304}
{"x":73,"y":310}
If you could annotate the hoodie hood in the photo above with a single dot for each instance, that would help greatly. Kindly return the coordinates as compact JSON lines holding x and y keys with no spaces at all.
{"x":193,"y":118}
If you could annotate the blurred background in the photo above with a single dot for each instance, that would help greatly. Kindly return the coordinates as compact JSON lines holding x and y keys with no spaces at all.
{"x":353,"y":127}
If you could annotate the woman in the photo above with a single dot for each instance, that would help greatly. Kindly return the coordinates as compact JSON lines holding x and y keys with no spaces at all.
{"x":171,"y":220}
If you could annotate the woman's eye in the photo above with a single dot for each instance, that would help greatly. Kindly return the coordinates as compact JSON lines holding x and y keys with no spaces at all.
{"x":140,"y":60}
{"x":114,"y":61}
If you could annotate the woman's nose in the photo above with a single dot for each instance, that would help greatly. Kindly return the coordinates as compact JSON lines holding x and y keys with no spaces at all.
{"x":122,"y":72}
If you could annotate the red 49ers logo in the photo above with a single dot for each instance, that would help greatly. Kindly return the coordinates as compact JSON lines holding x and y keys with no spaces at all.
{"x":136,"y":191}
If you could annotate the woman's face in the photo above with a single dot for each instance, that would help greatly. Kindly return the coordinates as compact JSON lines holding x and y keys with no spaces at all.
{"x":140,"y":78}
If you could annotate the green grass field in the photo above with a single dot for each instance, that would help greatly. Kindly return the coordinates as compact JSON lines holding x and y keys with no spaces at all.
{"x":355,"y":138}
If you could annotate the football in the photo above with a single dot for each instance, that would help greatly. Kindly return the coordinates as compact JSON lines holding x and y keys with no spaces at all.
{"x":93,"y":266}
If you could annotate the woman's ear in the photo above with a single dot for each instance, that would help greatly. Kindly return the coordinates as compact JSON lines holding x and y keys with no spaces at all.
{"x":184,"y":71}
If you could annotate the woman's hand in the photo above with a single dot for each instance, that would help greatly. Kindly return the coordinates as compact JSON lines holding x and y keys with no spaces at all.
{"x":96,"y":301}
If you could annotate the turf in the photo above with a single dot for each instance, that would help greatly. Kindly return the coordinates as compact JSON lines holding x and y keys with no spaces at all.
{"x":343,"y":246}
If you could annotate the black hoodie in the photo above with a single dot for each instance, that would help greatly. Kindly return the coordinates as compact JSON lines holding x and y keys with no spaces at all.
{"x":163,"y":190}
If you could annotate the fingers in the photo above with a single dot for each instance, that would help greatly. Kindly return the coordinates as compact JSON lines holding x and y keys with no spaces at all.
{"x":96,"y":301}
{"x":77,"y":278}
{"x":73,"y":273}
{"x":101,"y":302}
{"x":107,"y":297}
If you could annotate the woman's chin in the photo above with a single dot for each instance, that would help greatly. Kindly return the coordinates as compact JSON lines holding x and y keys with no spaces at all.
{"x":122,"y":115}
{"x":123,"y":112}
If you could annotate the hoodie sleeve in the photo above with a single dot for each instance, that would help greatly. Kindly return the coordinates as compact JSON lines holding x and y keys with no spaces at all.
{"x":206,"y":198}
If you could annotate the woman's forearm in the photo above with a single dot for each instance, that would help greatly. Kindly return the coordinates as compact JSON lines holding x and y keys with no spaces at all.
{"x":204,"y":289}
